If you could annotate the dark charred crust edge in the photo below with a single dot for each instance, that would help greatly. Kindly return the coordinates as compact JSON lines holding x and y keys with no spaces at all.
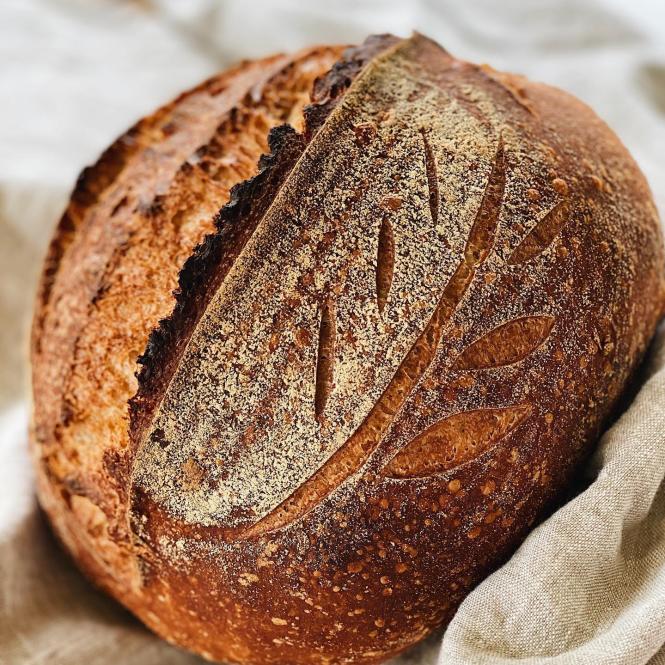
{"x":206,"y":268}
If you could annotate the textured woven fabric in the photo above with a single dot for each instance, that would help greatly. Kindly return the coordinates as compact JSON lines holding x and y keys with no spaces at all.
{"x":588,"y":585}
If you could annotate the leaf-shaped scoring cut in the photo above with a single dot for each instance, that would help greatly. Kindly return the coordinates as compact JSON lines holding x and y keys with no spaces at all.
{"x":506,"y":344}
{"x":325,"y":358}
{"x":455,"y":440}
{"x":385,"y":263}
{"x":542,"y":235}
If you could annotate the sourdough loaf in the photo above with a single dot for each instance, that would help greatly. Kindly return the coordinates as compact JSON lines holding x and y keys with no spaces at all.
{"x":389,"y":346}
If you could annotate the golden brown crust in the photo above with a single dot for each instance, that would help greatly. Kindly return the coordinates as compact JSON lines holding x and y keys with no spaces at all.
{"x":404,"y":334}
{"x":133,"y":220}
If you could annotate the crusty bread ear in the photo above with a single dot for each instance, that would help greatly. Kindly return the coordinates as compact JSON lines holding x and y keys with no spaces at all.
{"x":395,"y":345}
{"x":133,"y":220}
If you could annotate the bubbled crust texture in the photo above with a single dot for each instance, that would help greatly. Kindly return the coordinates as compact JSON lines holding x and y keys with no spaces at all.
{"x":389,"y":358}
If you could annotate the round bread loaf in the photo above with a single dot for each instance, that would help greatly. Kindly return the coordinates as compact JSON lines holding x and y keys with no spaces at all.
{"x":296,"y":419}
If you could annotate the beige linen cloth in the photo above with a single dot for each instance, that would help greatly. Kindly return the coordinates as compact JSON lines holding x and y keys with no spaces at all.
{"x":588,"y":585}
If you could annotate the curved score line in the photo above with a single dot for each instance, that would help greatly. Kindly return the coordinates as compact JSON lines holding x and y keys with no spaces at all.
{"x":364,"y":441}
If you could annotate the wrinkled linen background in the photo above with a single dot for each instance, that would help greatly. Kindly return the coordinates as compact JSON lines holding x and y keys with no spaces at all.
{"x":588,"y":586}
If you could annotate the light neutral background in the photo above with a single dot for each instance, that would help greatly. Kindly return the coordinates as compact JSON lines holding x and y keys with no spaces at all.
{"x":76,"y":73}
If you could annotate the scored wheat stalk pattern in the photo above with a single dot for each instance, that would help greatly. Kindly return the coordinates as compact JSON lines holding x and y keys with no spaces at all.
{"x":472,"y":432}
